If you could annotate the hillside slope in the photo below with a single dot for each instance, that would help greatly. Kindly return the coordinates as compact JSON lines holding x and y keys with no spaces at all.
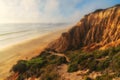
{"x":95,"y":30}
{"x":99,"y":29}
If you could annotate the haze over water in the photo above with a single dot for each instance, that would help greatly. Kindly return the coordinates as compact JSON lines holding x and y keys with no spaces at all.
{"x":14,"y":33}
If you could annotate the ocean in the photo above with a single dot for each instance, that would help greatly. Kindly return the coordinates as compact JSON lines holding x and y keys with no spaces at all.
{"x":14,"y":33}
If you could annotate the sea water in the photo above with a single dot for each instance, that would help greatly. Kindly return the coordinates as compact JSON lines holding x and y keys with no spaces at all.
{"x":14,"y":33}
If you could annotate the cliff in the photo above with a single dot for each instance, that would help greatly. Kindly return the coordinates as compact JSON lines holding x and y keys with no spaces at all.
{"x":93,"y":31}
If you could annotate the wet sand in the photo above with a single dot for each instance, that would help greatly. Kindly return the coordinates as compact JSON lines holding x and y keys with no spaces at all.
{"x":24,"y":50}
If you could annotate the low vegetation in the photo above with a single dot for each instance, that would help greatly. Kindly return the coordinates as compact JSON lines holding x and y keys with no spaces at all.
{"x":45,"y":65}
{"x":106,"y":61}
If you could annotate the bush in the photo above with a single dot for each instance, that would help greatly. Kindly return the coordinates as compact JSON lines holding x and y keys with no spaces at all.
{"x":103,"y":65}
{"x":113,"y":51}
{"x":35,"y":63}
{"x":30,"y":68}
{"x":50,"y":73}
{"x":20,"y":77}
{"x":72,"y":67}
{"x":101,"y":53}
{"x":61,"y":60}
{"x":20,"y":67}
{"x":92,"y":65}
{"x":115,"y":65}
{"x":44,"y":55}
{"x":104,"y":77}
{"x":34,"y":66}
{"x":88,"y":78}
{"x":54,"y":59}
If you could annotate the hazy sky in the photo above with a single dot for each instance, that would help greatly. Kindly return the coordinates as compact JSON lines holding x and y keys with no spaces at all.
{"x":49,"y":10}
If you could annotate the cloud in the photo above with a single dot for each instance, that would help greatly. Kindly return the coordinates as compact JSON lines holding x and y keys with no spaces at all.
{"x":47,"y":10}
{"x":37,"y":10}
{"x":18,"y":10}
{"x":60,"y":11}
{"x":51,"y":6}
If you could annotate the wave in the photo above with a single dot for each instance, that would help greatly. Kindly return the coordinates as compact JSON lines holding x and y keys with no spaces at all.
{"x":15,"y":35}
{"x":9,"y":33}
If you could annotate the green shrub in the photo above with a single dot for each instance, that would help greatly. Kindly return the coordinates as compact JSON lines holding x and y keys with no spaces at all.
{"x":54,"y":59}
{"x":92,"y":65}
{"x":113,"y":51}
{"x":84,"y":57}
{"x":88,"y":78}
{"x":104,"y":77}
{"x":72,"y":67}
{"x":36,"y":63}
{"x":103,"y":64}
{"x":20,"y":77}
{"x":61,"y":60}
{"x":87,"y":62}
{"x":20,"y":67}
{"x":43,"y":55}
{"x":101,"y":53}
{"x":115,"y":65}
{"x":117,"y":49}
{"x":30,"y":68}
{"x":51,"y":76}
{"x":50,"y":73}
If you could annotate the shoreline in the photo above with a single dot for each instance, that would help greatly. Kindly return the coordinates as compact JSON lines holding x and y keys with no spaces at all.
{"x":25,"y":50}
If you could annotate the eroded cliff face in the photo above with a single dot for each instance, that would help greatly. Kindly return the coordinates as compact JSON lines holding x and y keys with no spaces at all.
{"x":95,"y":30}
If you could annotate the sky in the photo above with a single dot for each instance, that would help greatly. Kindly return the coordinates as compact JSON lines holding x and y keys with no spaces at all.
{"x":49,"y":11}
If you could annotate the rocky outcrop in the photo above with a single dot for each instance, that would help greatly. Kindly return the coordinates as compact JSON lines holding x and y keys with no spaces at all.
{"x":95,"y":30}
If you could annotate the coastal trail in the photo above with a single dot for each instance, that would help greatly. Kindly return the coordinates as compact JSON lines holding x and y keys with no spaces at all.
{"x":59,"y":54}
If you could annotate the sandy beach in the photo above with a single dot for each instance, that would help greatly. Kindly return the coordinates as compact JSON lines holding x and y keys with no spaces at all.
{"x":24,"y":50}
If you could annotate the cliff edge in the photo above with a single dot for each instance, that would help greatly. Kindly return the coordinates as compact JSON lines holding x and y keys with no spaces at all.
{"x":98,"y":29}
